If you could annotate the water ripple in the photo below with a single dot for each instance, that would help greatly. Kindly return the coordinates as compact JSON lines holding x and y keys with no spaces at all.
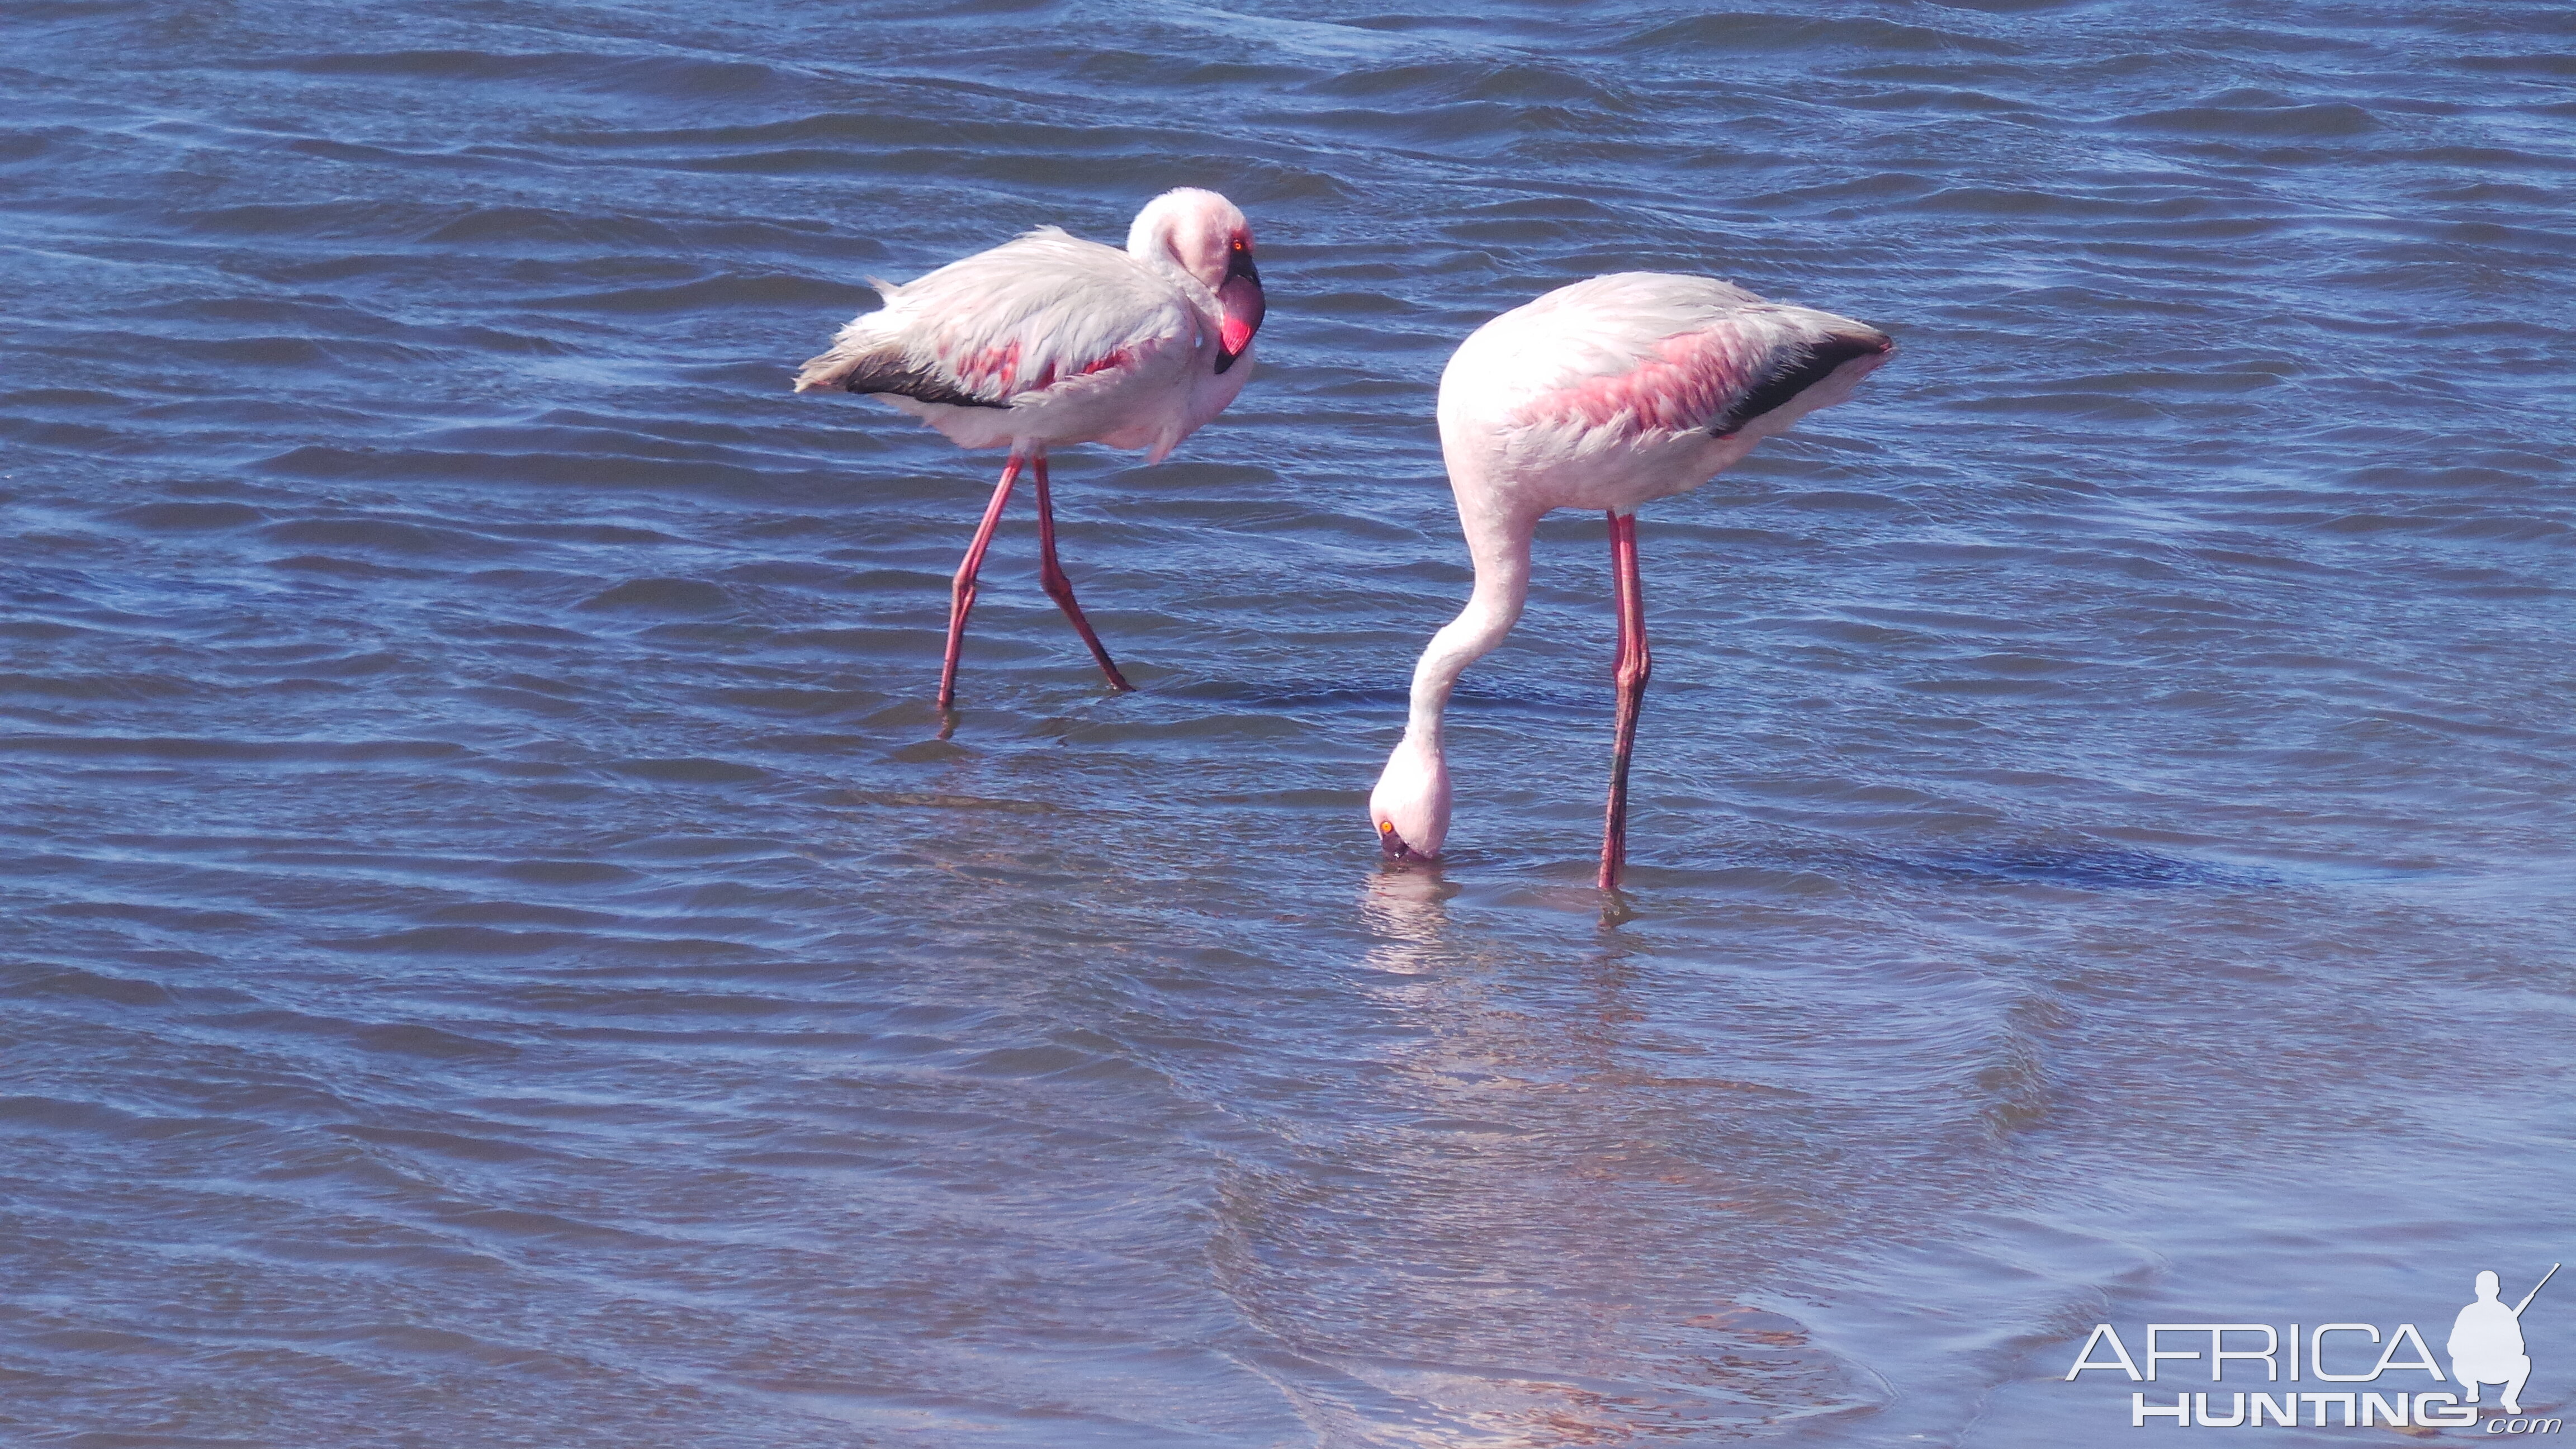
{"x":500,"y":943}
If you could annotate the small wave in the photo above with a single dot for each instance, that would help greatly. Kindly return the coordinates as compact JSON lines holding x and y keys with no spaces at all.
{"x":663,"y":77}
{"x":1757,"y":31}
{"x":2261,"y":116}
{"x":2100,"y":868}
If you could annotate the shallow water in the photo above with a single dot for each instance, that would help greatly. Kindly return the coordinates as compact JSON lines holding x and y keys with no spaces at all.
{"x":499,"y":949}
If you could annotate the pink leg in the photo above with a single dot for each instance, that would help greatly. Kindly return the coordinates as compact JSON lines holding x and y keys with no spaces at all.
{"x":961,"y":590}
{"x":1060,"y":588}
{"x":1636,"y":665}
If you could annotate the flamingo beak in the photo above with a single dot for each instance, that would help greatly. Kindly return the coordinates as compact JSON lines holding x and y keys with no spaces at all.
{"x":1240,"y":297}
{"x":1392,"y":845}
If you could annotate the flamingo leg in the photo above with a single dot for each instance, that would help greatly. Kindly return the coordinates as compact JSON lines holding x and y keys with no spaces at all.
{"x":1060,"y":588}
{"x":1636,"y":665}
{"x":961,"y":589}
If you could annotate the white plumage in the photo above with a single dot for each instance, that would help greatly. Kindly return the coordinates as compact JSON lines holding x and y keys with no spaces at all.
{"x":1605,"y":394}
{"x":1048,"y":339}
{"x":1622,"y":389}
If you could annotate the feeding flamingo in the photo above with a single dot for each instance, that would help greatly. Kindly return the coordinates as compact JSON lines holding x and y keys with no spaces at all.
{"x":1605,"y":394}
{"x":1050,"y":339}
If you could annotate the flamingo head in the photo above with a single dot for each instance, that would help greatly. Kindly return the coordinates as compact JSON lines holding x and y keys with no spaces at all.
{"x":1206,"y":236}
{"x":1410,"y":806}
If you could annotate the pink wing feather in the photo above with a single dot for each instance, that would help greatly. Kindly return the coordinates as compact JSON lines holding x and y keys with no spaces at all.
{"x":1660,"y":353}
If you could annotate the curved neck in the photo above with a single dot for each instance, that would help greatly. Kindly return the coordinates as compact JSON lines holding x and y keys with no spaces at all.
{"x":1500,"y":545}
{"x":1150,"y":244}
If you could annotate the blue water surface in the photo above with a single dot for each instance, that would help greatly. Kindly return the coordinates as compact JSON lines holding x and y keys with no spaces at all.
{"x":499,"y":949}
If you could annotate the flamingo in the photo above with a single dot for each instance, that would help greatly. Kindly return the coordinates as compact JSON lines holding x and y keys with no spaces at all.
{"x":1606,"y":394}
{"x":1048,"y":339}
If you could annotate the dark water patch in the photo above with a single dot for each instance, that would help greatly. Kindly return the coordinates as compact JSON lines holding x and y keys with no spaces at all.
{"x":2545,"y":63}
{"x":95,"y":686}
{"x":1387,"y":695}
{"x":188,"y":517}
{"x":1943,"y":100}
{"x":45,"y":982}
{"x":2259,"y":113}
{"x":209,"y":358}
{"x":468,"y":1148}
{"x":414,"y":1039}
{"x":778,"y":290}
{"x":1755,"y":31}
{"x":174,"y":918}
{"x":308,"y":751}
{"x":384,"y":534}
{"x":520,"y":228}
{"x":2095,"y":869}
{"x":64,"y":1117}
{"x":373,"y":219}
{"x":922,"y":800}
{"x":663,"y":77}
{"x":415,"y":465}
{"x":693,"y":771}
{"x":463,"y":941}
{"x":662,"y":596}
{"x":1528,"y":85}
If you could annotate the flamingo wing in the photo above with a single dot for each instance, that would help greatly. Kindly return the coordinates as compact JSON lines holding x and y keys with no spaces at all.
{"x":1036,"y":312}
{"x":1659,"y":353}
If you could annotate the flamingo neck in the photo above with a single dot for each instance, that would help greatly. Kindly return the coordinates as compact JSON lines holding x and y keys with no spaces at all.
{"x":1500,"y":546}
{"x":1151,"y":243}
{"x":1410,"y":806}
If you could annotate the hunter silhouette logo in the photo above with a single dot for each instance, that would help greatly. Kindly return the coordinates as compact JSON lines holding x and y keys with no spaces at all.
{"x":2486,"y":1342}
{"x":2486,"y":1346}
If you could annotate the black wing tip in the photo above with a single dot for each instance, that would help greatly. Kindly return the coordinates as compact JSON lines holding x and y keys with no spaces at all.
{"x":890,"y":375}
{"x":1812,"y":364}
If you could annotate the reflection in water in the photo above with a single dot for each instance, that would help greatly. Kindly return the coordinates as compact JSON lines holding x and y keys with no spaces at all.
{"x":1523,"y":1243}
{"x":1404,"y":906}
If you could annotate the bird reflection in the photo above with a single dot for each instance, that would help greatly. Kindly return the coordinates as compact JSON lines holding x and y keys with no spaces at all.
{"x":1410,"y":909}
{"x":1508,"y":1225}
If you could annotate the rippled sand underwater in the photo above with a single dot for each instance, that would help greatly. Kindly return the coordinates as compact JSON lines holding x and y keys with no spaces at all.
{"x":498,"y":948}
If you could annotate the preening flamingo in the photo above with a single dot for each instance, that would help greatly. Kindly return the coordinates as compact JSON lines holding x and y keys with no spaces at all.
{"x":1050,"y":339}
{"x":1605,"y":394}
